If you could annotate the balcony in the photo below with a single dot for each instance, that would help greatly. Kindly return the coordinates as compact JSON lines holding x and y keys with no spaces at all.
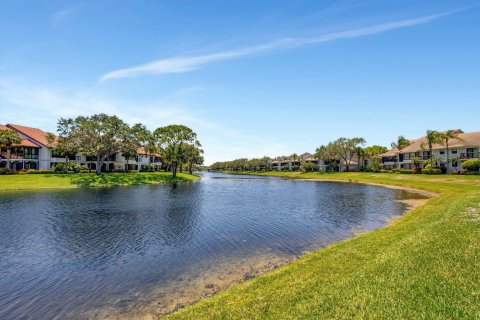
{"x":470,"y":155}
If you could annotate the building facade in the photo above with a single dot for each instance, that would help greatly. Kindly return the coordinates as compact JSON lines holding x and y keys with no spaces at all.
{"x":466,"y":147}
{"x":36,"y":153}
{"x":322,"y":165}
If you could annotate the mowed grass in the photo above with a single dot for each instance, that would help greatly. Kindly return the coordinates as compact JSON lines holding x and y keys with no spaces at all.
{"x":62,"y":181}
{"x":423,"y":266}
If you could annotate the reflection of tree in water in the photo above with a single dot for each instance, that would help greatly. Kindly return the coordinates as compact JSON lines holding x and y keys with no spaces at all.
{"x":111,"y":225}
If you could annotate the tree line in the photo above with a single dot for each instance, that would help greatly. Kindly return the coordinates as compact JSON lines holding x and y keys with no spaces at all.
{"x":333,"y":153}
{"x":101,"y":136}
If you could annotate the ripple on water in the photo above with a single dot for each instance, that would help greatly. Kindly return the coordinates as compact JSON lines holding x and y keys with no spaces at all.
{"x":148,"y":250}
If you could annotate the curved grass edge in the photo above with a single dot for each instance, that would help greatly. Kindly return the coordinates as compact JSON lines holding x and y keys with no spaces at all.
{"x":423,"y":265}
{"x":30,"y":182}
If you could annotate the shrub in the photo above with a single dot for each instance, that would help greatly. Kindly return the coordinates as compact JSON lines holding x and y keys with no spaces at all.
{"x":7,"y":171}
{"x":432,"y":171}
{"x":308,"y":166}
{"x":471,"y":165}
{"x":73,"y":166}
{"x":32,"y":171}
{"x":382,"y":171}
{"x":58,"y":167}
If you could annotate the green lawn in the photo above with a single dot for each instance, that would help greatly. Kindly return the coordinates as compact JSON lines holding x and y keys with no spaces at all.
{"x":55,"y":181}
{"x":423,"y":266}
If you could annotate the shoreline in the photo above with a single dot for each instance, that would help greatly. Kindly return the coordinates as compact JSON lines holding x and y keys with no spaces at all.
{"x":70,"y":181}
{"x":411,"y":245}
{"x":262,"y":266}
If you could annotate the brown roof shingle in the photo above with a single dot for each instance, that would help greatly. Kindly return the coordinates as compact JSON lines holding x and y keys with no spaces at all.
{"x":25,"y":142}
{"x":38,"y":135}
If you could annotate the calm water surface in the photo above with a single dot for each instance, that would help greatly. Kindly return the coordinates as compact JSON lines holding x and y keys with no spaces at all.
{"x":148,"y":250}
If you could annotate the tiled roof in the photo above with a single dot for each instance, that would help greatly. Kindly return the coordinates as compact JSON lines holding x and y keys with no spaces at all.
{"x":38,"y":135}
{"x":25,"y":142}
{"x":142,"y":151}
{"x":469,"y":139}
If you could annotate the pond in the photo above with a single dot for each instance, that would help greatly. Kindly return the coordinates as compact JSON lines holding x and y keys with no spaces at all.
{"x":147,"y":250}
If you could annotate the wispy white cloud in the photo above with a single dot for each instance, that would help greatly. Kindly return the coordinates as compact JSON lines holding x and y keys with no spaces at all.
{"x":62,"y":15}
{"x":37,"y":105}
{"x":189,"y":63}
{"x":41,"y":106}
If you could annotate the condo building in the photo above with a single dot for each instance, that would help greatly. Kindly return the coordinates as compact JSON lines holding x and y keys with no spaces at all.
{"x":280,"y":164}
{"x":34,"y":152}
{"x":466,"y":147}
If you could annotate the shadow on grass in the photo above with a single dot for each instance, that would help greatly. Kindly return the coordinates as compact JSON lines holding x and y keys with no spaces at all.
{"x":119,"y":179}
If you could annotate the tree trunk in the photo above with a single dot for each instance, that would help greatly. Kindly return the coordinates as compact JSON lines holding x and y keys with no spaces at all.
{"x":190,"y":168}
{"x":174,"y":169}
{"x":127,"y":165}
{"x":66,"y":164}
{"x":181,"y":168}
{"x":9,"y":154}
{"x":448,"y":157}
{"x":98,"y":170}
{"x":431,"y":156}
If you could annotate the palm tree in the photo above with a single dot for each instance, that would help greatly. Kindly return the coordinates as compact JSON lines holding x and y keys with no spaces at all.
{"x":360,"y":155}
{"x":432,"y":137}
{"x":447,"y":136}
{"x":294,"y":156}
{"x":400,"y":144}
{"x":8,"y":138}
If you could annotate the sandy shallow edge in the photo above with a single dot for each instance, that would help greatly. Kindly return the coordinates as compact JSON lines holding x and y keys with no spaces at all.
{"x":389,"y":186}
{"x":176,"y":303}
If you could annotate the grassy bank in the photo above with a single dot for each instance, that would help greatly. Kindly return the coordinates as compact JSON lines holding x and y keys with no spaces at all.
{"x":423,"y":266}
{"x":62,"y":181}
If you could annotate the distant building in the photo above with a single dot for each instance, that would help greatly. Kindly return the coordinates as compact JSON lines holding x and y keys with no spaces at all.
{"x":34,"y":153}
{"x":465,"y":148}
{"x":280,"y":164}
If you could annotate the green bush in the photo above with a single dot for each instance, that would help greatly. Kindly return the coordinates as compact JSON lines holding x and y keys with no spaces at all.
{"x":432,"y":171}
{"x":32,"y":171}
{"x":471,"y":165}
{"x":43,"y":170}
{"x":58,"y":167}
{"x":308,"y":166}
{"x":7,"y":171}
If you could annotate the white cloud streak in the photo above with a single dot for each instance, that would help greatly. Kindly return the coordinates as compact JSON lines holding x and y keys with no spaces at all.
{"x":182,"y":64}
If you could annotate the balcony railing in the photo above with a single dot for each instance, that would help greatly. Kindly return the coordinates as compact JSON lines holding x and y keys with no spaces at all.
{"x":470,"y":155}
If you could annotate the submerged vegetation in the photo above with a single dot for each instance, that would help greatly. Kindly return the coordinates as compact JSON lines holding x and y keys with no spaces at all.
{"x":425,"y":265}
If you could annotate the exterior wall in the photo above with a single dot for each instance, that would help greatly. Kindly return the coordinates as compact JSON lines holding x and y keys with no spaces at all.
{"x":459,"y":153}
{"x":44,"y":155}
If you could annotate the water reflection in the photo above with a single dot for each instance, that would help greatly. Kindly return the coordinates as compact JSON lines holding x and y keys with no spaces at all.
{"x":90,"y":253}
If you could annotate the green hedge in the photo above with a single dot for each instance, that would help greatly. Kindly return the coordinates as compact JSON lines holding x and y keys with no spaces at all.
{"x":471,"y":165}
{"x":7,"y":171}
{"x":432,"y":171}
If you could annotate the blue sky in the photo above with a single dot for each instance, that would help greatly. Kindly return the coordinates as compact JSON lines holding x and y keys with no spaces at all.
{"x":252,"y":78}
